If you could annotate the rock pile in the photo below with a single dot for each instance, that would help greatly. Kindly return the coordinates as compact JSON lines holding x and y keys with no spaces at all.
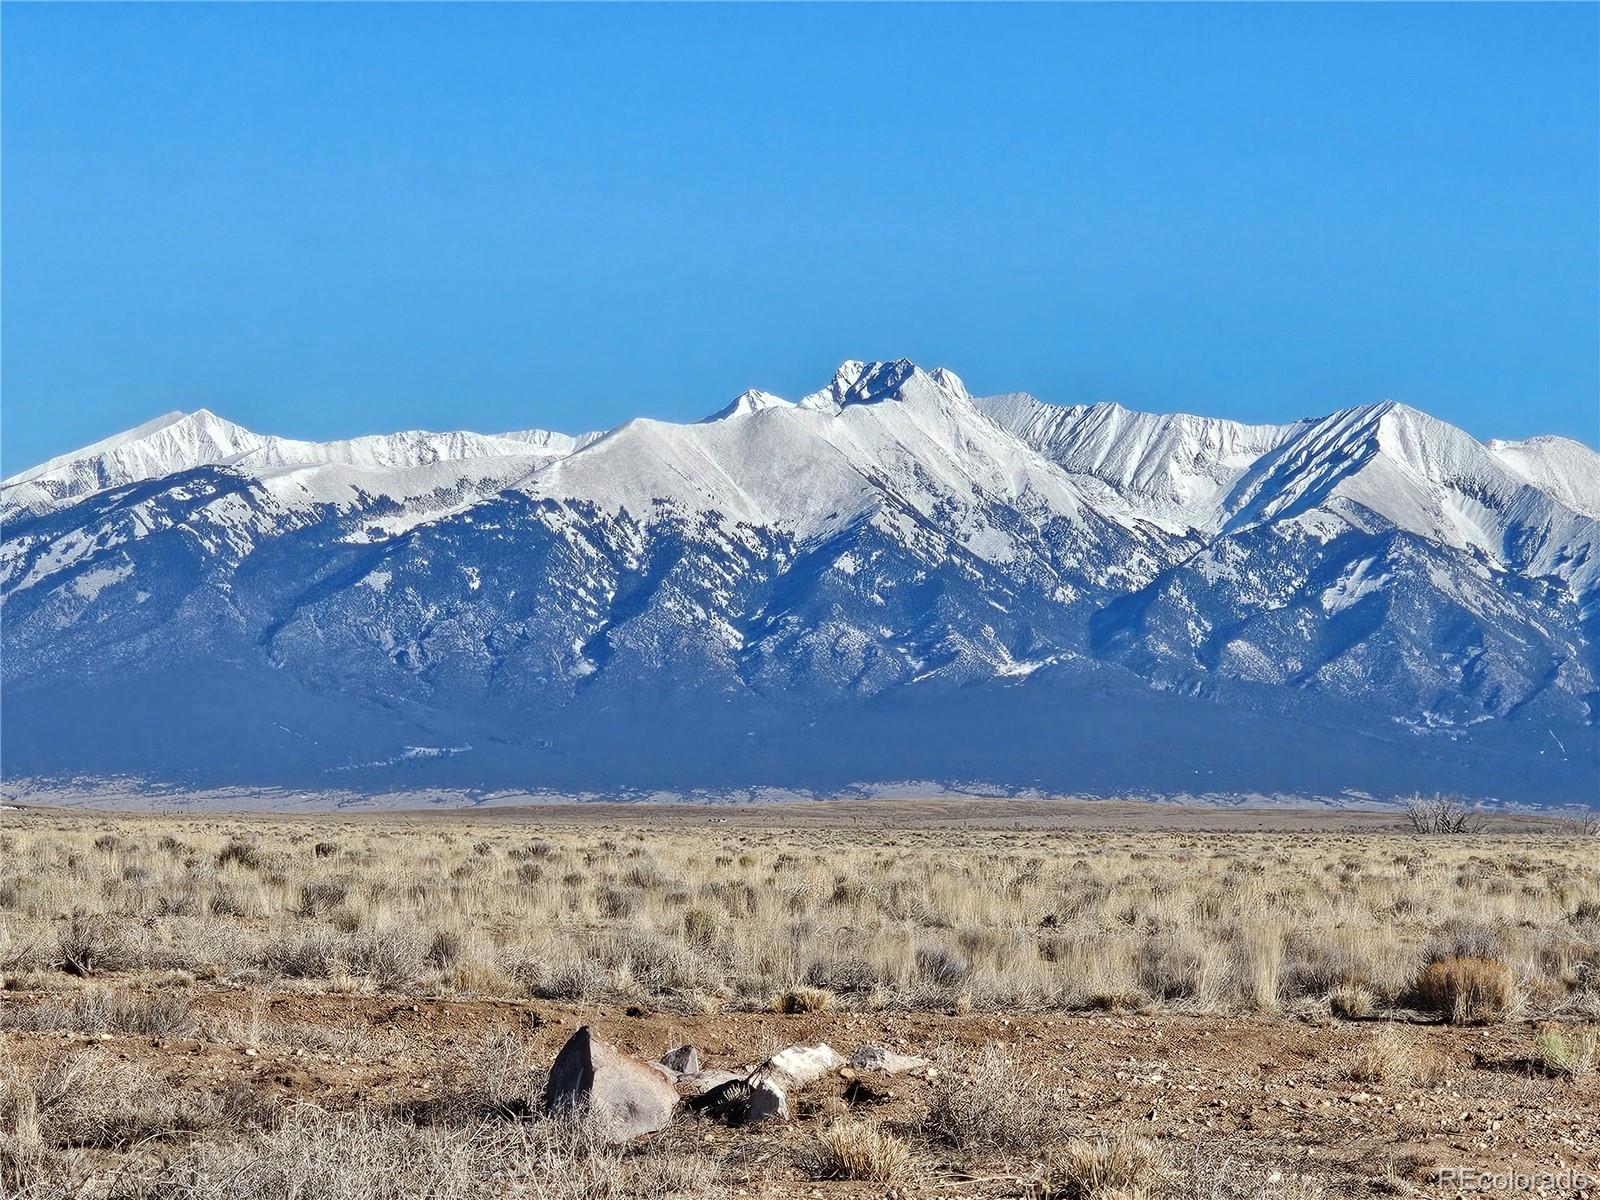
{"x":628,"y":1097}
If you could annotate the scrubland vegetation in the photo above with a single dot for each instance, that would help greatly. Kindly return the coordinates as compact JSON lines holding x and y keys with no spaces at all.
{"x":1471,"y":929}
{"x":127,"y":944}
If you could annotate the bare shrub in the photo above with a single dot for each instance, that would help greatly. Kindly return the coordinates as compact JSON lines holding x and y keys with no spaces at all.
{"x":942,"y":966}
{"x":1389,"y":1055}
{"x":995,"y":1105}
{"x":321,"y":896}
{"x":1351,"y":1002}
{"x":367,"y":1156}
{"x":89,"y":1099}
{"x":804,"y":1000}
{"x":105,"y":1011}
{"x":1585,"y":824}
{"x":1443,"y":814}
{"x":89,"y":943}
{"x":392,"y":958}
{"x":850,"y":1149}
{"x":311,"y":954}
{"x":244,"y":854}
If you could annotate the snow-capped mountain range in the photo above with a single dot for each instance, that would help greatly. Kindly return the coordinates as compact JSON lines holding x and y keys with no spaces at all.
{"x":886,"y":580}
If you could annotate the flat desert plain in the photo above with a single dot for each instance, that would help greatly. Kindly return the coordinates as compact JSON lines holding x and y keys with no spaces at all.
{"x":1018,"y":999}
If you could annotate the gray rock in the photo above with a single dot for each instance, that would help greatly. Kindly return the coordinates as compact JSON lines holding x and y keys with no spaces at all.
{"x":685,"y":1060}
{"x":796,"y":1066}
{"x":767,"y":1101}
{"x":625,"y":1097}
{"x":876,"y":1058}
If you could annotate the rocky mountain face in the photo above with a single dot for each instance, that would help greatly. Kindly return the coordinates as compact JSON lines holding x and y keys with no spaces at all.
{"x":885,"y":581}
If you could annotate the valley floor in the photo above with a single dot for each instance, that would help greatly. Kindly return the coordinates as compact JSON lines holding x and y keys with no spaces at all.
{"x":332,"y":1007}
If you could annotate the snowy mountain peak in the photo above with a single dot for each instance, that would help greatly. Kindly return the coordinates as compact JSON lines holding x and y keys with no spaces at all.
{"x":169,"y":444}
{"x":895,"y":379}
{"x":753,"y":400}
{"x":1566,"y":469}
{"x":1176,"y":468}
{"x":950,"y":382}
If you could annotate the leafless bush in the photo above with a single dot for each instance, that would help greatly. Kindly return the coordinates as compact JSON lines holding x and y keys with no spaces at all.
{"x":107,"y":1011}
{"x":1443,"y":814}
{"x":322,"y":895}
{"x":89,"y":943}
{"x":992,"y":1105}
{"x":1585,"y":824}
{"x":316,"y":1155}
{"x":89,"y":1099}
{"x":245,"y":854}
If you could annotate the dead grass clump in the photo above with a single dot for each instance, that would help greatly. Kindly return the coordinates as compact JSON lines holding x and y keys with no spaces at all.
{"x":244,"y":854}
{"x":1388,"y":1055}
{"x":1466,"y":991}
{"x":1119,"y":1167}
{"x":367,"y":1155}
{"x":1351,"y":1002}
{"x":1567,"y":1053}
{"x":804,"y":1000}
{"x":393,"y":958}
{"x":105,"y":1011}
{"x":992,"y":1105}
{"x":89,"y":1099}
{"x":322,"y":896}
{"x":309,"y":954}
{"x":849,"y":1149}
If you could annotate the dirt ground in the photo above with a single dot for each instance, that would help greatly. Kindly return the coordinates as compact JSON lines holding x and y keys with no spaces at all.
{"x":1274,"y":1093}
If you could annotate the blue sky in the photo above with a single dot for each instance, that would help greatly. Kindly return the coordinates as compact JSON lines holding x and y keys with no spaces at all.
{"x":329,"y":220}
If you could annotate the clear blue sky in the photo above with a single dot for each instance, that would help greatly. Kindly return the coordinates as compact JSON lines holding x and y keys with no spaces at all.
{"x":322,"y":221}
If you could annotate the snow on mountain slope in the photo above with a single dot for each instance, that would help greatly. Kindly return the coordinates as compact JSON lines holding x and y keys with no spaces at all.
{"x":180,"y":442}
{"x":171,"y":443}
{"x":1177,"y":469}
{"x":1406,"y":469}
{"x":892,"y":443}
{"x":754,"y":400}
{"x":1568,"y":470}
{"x":887,"y":555}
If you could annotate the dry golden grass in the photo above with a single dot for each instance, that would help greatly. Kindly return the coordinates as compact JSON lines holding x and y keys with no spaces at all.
{"x":709,"y":919}
{"x":159,"y":929}
{"x":1467,"y":989}
{"x":1119,"y":1167}
{"x":1395,"y":1056}
{"x":850,"y":1149}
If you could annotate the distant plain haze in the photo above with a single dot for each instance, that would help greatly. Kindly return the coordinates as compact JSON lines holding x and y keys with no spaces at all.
{"x":322,"y":221}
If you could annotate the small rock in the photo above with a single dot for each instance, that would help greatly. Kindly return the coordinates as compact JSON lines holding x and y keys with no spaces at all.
{"x":626,"y":1096}
{"x":796,"y":1066}
{"x":685,"y":1060}
{"x":876,"y":1058}
{"x":767,"y":1101}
